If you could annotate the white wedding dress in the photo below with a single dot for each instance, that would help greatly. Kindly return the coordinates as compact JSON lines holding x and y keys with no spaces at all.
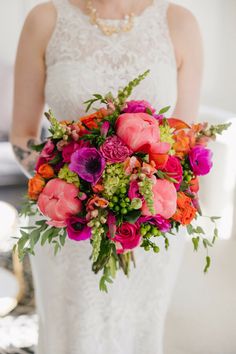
{"x":74,"y":316}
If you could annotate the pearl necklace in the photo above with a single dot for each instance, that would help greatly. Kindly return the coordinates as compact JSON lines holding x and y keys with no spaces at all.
{"x":106,"y":29}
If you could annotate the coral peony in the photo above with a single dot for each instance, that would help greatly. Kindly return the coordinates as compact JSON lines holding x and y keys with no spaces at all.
{"x":58,"y":201}
{"x":165,"y":198}
{"x":137,"y":130}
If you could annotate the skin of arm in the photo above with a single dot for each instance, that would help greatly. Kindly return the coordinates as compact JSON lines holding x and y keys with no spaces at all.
{"x":29,"y":82}
{"x":187,"y":41}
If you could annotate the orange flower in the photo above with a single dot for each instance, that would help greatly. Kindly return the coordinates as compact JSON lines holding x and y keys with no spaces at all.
{"x":182,"y":143}
{"x":183,"y":201}
{"x":92,"y":120}
{"x":185,"y":212}
{"x":130,"y":164}
{"x":35,"y":186}
{"x":46,"y":171}
{"x":185,"y":216}
{"x":98,"y":188}
{"x":194,"y":185}
{"x":97,"y":202}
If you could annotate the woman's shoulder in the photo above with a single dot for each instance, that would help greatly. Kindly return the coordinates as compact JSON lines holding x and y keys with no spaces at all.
{"x":184,"y":29}
{"x":40,"y":22}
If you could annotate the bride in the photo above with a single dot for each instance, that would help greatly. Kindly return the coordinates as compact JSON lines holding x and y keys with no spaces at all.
{"x":68,"y":50}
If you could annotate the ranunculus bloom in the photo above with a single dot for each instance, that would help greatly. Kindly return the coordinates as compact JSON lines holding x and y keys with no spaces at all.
{"x":127,"y":237}
{"x":137,"y":129}
{"x":46,"y":171}
{"x":138,"y":107}
{"x":165,"y":198}
{"x":174,"y":170}
{"x":115,"y":150}
{"x":182,"y":143}
{"x":46,"y":154}
{"x":58,"y":201}
{"x":69,"y":149}
{"x":200,"y":160}
{"x":35,"y":186}
{"x":186,"y":215}
{"x":77,"y":229}
{"x":88,"y":163}
{"x":157,"y":220}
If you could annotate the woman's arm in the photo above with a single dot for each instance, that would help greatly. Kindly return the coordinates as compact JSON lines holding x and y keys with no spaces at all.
{"x":187,"y":41}
{"x":29,"y":84}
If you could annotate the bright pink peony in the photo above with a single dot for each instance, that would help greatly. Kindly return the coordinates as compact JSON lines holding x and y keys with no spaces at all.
{"x":127,"y":237}
{"x":138,"y":107}
{"x":59,"y":201}
{"x":137,"y":129}
{"x":174,"y":170}
{"x":165,"y":199}
{"x":115,"y":150}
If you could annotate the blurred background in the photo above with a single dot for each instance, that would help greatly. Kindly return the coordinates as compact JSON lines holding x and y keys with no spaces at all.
{"x":202,"y":316}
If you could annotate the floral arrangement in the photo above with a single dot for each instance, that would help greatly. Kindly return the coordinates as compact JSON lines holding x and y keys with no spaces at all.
{"x":121,"y":177}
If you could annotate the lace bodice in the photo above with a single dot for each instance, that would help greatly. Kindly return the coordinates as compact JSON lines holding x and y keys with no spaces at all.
{"x":81,"y":60}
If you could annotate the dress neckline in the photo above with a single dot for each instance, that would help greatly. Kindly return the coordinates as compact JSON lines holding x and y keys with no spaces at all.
{"x":148,"y":9}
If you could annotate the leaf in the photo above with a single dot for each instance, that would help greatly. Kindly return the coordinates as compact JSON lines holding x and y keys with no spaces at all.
{"x":164,"y":110}
{"x":38,"y":147}
{"x":62,"y":238}
{"x":40,"y":222}
{"x":167,"y":244}
{"x":190,"y":229}
{"x":208,"y":264}
{"x":132,"y":216}
{"x":46,"y":235}
{"x":213,"y":218}
{"x":57,"y":247}
{"x":206,"y":243}
{"x":216,"y":234}
{"x":195,"y":241}
{"x":199,"y":230}
{"x":34,"y":237}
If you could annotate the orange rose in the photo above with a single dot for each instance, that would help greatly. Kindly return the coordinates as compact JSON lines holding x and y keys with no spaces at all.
{"x":46,"y":171}
{"x":35,"y":186}
{"x":186,"y":215}
{"x":183,"y":201}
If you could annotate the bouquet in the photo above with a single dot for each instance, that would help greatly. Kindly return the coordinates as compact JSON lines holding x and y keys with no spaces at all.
{"x":121,"y":177}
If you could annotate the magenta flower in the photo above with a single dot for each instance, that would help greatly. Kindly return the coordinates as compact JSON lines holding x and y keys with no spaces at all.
{"x":77,"y":229}
{"x":88,"y":163}
{"x":138,"y":107}
{"x":200,"y":160}
{"x":133,"y":191}
{"x":70,"y":148}
{"x":115,"y":150}
{"x":174,"y":170}
{"x":46,"y":154}
{"x":161,"y":223}
{"x":105,"y":128}
{"x":127,"y":237}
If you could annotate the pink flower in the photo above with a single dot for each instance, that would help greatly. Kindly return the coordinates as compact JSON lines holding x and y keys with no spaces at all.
{"x":133,"y":191}
{"x":127,"y":237}
{"x":138,"y":107}
{"x":200,"y":160}
{"x":69,"y":149}
{"x":77,"y":229}
{"x":174,"y":170}
{"x":46,"y":154}
{"x":59,"y":201}
{"x":165,"y":199}
{"x":137,"y":130}
{"x":115,"y":150}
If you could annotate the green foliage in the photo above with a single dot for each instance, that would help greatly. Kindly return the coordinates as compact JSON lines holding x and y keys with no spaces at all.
{"x":164,"y":110}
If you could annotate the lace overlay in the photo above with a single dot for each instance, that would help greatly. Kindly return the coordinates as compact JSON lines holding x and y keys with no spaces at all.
{"x":74,"y":317}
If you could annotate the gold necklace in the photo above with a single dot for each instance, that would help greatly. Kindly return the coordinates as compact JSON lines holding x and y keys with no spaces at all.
{"x":124,"y":26}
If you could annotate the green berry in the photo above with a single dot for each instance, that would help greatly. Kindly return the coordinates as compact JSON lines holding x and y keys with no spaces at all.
{"x":123,"y":190}
{"x":127,"y":200}
{"x":147,"y":248}
{"x":149,"y":234}
{"x":124,"y":211}
{"x":148,"y":227}
{"x":143,"y":231}
{"x":111,"y":205}
{"x":123,"y":204}
{"x":115,"y":199}
{"x":156,"y":249}
{"x":155,"y":231}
